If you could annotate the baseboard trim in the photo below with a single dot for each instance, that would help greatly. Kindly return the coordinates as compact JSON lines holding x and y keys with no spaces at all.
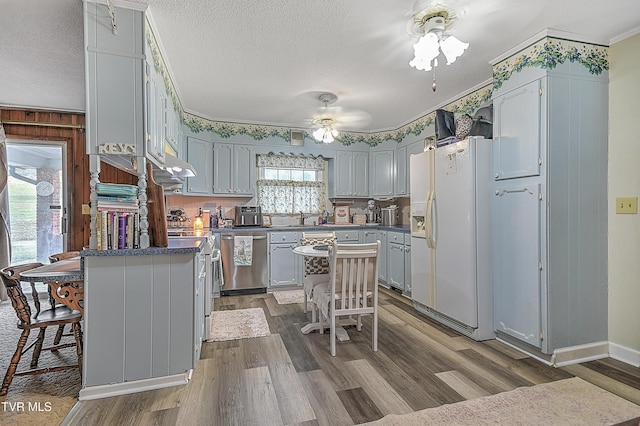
{"x":580,"y":353}
{"x":624,"y":354}
{"x":105,"y":391}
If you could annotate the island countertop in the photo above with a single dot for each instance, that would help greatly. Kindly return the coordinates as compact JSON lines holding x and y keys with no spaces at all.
{"x":177,"y":245}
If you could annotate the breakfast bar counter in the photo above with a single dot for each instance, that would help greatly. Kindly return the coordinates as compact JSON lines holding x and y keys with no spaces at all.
{"x":144,"y":322}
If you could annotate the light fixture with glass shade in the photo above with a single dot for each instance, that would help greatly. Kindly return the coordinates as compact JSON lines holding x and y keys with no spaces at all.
{"x":431,"y":26}
{"x":326,"y":133}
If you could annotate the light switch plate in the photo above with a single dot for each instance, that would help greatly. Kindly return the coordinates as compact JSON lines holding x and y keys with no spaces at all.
{"x":626,"y":205}
{"x":86,"y":209}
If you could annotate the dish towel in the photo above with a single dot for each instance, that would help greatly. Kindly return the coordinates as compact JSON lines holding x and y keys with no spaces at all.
{"x":242,"y":250}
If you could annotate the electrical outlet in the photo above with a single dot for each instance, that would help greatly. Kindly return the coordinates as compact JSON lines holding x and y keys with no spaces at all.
{"x":626,"y":205}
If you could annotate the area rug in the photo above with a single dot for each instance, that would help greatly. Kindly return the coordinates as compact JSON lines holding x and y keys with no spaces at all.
{"x":238,"y":324}
{"x":564,"y":402}
{"x":288,"y":297}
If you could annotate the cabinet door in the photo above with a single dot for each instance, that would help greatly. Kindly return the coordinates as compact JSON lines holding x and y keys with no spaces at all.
{"x":382,"y":267}
{"x":407,"y":269}
{"x":382,"y":173}
{"x":343,"y":174}
{"x":401,"y":180}
{"x":516,"y":265}
{"x":200,"y":155}
{"x":223,"y":155}
{"x":517,"y":127}
{"x":243,"y":170}
{"x":360,"y":172}
{"x":284,"y":265}
{"x":396,"y":265}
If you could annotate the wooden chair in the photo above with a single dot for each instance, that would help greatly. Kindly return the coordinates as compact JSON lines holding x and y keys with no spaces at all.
{"x":62,"y":256}
{"x":52,"y":301}
{"x":31,"y":318}
{"x":316,"y":269}
{"x":353,"y":288}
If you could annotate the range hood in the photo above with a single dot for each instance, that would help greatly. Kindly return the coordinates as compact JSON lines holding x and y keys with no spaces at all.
{"x":171,"y":174}
{"x":177,"y":167}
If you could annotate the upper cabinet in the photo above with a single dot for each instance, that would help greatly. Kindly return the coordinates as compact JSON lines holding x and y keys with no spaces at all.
{"x":402,"y":167}
{"x":115,"y":81}
{"x":156,"y":105}
{"x":348,"y":174}
{"x":518,"y":115}
{"x":200,"y":156}
{"x":382,"y":178}
{"x":234,"y":170}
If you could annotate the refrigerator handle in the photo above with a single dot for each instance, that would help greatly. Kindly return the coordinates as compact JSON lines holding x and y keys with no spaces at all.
{"x":429,"y":220}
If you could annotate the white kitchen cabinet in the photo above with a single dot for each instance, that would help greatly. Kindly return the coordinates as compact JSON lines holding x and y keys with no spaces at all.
{"x":285,"y":267}
{"x":549,"y":222}
{"x":403,"y":167}
{"x":401,"y":179}
{"x":349,"y":174}
{"x":200,"y":156}
{"x":234,"y":170}
{"x":383,"y":171}
{"x":407,"y":264}
{"x":115,"y":79}
{"x":156,"y":108}
{"x":378,"y":235}
{"x":395,"y":256}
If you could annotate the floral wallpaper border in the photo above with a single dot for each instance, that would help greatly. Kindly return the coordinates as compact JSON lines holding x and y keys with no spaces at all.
{"x":550,"y":52}
{"x":547,"y":53}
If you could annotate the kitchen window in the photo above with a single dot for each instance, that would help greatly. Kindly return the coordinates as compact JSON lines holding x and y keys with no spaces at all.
{"x":290,"y":184}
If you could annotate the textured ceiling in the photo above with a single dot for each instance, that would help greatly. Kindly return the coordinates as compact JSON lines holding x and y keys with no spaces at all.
{"x":267,"y":61}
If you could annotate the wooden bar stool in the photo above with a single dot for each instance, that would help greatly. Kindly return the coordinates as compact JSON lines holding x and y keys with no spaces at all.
{"x":52,"y":301}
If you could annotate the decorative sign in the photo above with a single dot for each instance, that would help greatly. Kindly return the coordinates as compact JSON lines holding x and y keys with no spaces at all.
{"x":117,"y":148}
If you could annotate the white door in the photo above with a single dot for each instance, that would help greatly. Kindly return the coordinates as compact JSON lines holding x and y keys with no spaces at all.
{"x":454,"y":226}
{"x":37,"y":201}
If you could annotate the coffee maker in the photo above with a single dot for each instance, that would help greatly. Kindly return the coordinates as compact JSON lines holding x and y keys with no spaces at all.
{"x":371,"y":212}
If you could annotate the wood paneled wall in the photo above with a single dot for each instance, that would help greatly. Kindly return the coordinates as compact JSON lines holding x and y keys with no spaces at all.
{"x":77,"y":161}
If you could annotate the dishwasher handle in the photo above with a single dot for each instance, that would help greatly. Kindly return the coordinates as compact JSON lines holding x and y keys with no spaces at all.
{"x":255,"y":237}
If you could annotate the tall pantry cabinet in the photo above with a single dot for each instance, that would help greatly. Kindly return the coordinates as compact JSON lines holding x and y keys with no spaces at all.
{"x":550,"y":201}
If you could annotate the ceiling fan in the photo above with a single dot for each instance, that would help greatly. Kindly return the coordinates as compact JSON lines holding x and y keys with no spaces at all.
{"x":329,"y":121}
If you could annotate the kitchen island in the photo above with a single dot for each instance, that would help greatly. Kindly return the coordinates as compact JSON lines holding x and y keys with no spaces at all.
{"x":143,"y":323}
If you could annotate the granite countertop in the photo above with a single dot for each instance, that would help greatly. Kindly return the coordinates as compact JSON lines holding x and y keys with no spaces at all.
{"x":177,"y":245}
{"x":298,"y":228}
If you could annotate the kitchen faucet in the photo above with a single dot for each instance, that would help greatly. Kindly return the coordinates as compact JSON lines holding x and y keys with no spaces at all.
{"x":302,"y":218}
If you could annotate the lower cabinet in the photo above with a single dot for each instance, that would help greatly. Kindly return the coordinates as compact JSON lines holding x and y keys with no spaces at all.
{"x":371,"y":237}
{"x":399,"y":258}
{"x":151,"y":329}
{"x":407,"y":263}
{"x":285,"y":267}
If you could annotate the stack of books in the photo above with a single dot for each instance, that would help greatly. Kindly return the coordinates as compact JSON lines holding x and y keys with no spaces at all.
{"x":118,"y":219}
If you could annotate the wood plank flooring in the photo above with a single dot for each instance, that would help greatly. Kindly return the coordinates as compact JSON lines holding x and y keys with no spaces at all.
{"x":289,"y":378}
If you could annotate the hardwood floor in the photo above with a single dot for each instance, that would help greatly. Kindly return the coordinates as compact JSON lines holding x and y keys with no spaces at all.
{"x":290,"y":378}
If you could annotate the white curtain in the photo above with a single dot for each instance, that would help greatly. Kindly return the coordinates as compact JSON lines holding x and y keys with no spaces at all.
{"x":5,"y":237}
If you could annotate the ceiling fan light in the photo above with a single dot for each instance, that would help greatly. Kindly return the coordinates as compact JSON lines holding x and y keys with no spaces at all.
{"x":318,"y":134}
{"x":425,"y":51}
{"x":334,"y":132}
{"x":328,"y":137}
{"x":452,"y":48}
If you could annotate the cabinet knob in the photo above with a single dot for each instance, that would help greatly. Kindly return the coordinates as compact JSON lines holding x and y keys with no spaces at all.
{"x":496,"y":175}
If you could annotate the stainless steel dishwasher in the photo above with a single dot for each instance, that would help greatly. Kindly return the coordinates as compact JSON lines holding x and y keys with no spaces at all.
{"x":244,"y":263}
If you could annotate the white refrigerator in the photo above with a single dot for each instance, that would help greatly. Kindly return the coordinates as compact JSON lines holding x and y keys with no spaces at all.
{"x":450,"y":236}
